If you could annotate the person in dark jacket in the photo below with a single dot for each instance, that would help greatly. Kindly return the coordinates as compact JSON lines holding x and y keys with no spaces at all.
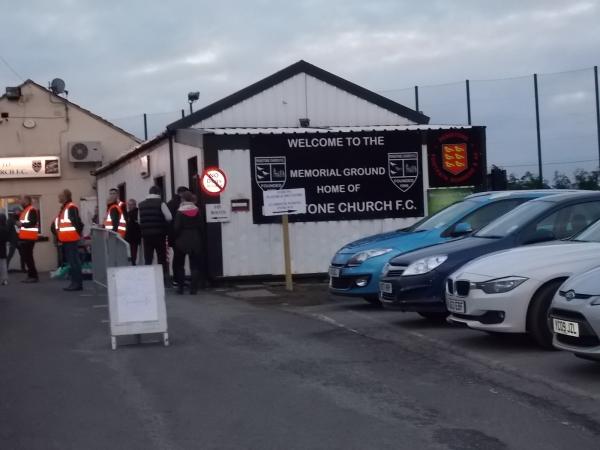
{"x":3,"y":241}
{"x":188,"y":241}
{"x":154,"y":220}
{"x":133,"y":235}
{"x":173,"y":205}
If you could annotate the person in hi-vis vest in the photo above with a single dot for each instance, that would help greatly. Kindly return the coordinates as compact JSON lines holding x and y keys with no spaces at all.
{"x":29,"y":230}
{"x":115,"y":216}
{"x":67,"y":227}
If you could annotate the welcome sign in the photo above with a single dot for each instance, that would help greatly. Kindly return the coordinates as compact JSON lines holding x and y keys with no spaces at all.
{"x":346,"y":175}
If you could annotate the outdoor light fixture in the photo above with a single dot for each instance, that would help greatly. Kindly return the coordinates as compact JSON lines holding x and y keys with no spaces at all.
{"x":193,"y":97}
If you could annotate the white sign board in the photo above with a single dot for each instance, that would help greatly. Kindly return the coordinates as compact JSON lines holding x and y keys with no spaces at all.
{"x":216,"y":212}
{"x":30,"y":167}
{"x":284,"y":201}
{"x":136,"y":300}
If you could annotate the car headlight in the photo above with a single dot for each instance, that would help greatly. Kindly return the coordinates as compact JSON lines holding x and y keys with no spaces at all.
{"x":425,"y":265}
{"x":500,"y":285}
{"x":360,"y":257}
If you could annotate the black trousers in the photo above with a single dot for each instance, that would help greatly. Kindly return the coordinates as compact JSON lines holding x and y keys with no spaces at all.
{"x":72,"y":258}
{"x":195,"y":269}
{"x":158,"y":245}
{"x":11,"y":252}
{"x":27,"y":257}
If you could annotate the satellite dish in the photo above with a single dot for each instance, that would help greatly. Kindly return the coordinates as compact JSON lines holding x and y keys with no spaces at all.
{"x":57,"y":86}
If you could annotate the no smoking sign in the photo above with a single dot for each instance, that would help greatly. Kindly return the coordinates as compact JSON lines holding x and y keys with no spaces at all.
{"x":213,"y":181}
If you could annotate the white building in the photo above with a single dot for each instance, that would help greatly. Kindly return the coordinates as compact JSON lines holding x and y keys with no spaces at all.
{"x":237,"y":133}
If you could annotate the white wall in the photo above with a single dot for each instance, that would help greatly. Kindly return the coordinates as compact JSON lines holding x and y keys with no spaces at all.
{"x":303,"y":96}
{"x":250,"y":249}
{"x":129,"y":173}
{"x":181,"y":154}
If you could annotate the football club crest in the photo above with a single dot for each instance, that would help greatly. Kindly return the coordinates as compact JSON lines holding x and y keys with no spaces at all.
{"x":454,"y":158}
{"x":36,"y":165}
{"x":403,"y":169}
{"x":270,"y":172}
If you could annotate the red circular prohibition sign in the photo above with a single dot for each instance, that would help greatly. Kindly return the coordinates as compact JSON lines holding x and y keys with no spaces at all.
{"x":213,"y":181}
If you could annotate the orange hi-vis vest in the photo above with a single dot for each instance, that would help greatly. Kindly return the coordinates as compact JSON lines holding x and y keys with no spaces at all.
{"x":65,"y":230}
{"x":108,"y":223}
{"x":29,"y":233}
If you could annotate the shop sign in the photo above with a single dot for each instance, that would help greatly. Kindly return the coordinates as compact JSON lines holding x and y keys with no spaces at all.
{"x":30,"y":167}
{"x":346,"y":176}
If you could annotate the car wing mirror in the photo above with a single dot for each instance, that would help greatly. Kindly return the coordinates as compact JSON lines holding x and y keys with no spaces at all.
{"x":541,"y":236}
{"x":461,"y":229}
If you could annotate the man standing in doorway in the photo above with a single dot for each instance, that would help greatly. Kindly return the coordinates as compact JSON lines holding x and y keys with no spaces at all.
{"x":29,"y":230}
{"x":115,"y":216}
{"x":154,"y":219}
{"x":133,"y":234}
{"x":67,"y":228}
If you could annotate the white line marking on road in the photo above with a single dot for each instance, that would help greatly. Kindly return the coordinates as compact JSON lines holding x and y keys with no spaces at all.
{"x":329,"y":320}
{"x":99,"y":306}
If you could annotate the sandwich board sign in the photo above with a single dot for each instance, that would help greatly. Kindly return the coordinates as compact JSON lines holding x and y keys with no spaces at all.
{"x":136,"y":301}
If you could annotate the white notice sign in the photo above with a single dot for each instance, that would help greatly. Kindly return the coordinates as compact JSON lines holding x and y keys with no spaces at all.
{"x":284,"y":201}
{"x":216,"y":212}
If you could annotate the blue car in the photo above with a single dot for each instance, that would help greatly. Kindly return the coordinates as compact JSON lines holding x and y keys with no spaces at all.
{"x":355,"y":269}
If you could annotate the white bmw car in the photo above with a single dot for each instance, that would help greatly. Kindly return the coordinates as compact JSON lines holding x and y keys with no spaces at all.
{"x":511,"y":291}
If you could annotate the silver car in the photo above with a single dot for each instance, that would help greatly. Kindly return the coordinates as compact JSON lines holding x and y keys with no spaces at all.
{"x":575,"y":315}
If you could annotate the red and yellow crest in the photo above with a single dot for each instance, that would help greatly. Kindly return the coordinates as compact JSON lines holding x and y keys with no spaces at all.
{"x":454,"y":158}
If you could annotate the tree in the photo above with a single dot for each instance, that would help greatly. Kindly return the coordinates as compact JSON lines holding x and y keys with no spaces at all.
{"x":561,"y":181}
{"x":586,"y":180}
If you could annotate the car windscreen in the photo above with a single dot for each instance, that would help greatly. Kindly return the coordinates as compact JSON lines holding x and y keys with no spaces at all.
{"x":590,"y":234}
{"x":446,"y":216}
{"x":514,"y":220}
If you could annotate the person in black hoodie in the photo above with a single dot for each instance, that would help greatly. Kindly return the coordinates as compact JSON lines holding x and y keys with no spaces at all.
{"x":188,"y":241}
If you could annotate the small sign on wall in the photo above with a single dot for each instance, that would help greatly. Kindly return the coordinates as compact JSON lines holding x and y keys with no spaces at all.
{"x":216,"y":212}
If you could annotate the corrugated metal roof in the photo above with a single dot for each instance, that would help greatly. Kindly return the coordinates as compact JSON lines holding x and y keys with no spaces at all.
{"x":306,"y":130}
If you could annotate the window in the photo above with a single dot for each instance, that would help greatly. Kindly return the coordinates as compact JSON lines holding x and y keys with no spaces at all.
{"x":192,"y":172}
{"x":160,"y":183}
{"x":122,"y":192}
{"x":487,"y":213}
{"x":11,"y":205}
{"x":568,"y":221}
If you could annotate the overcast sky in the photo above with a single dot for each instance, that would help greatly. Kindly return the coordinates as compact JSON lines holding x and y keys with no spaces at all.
{"x":124,"y":58}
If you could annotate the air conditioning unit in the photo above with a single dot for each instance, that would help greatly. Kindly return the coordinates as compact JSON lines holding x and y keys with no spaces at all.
{"x":85,"y":152}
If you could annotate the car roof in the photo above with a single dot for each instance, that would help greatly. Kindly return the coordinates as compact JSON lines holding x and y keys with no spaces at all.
{"x":490,"y":195}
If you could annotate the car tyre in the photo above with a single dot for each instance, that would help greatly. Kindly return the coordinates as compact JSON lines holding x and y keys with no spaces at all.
{"x":537,"y":316}
{"x":437,"y":317}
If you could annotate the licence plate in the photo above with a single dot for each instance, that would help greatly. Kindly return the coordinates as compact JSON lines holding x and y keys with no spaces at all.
{"x":386,"y":287}
{"x":456,"y":306}
{"x":565,"y":327}
{"x":334,"y":272}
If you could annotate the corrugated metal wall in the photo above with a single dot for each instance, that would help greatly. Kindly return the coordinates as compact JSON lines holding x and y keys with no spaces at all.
{"x":250,"y":249}
{"x":299,"y":97}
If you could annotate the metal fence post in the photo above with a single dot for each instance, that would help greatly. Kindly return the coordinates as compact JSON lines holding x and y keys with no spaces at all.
{"x":417,"y":98}
{"x":537,"y":126}
{"x":145,"y":127}
{"x":597,"y":111}
{"x":468,"y":102}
